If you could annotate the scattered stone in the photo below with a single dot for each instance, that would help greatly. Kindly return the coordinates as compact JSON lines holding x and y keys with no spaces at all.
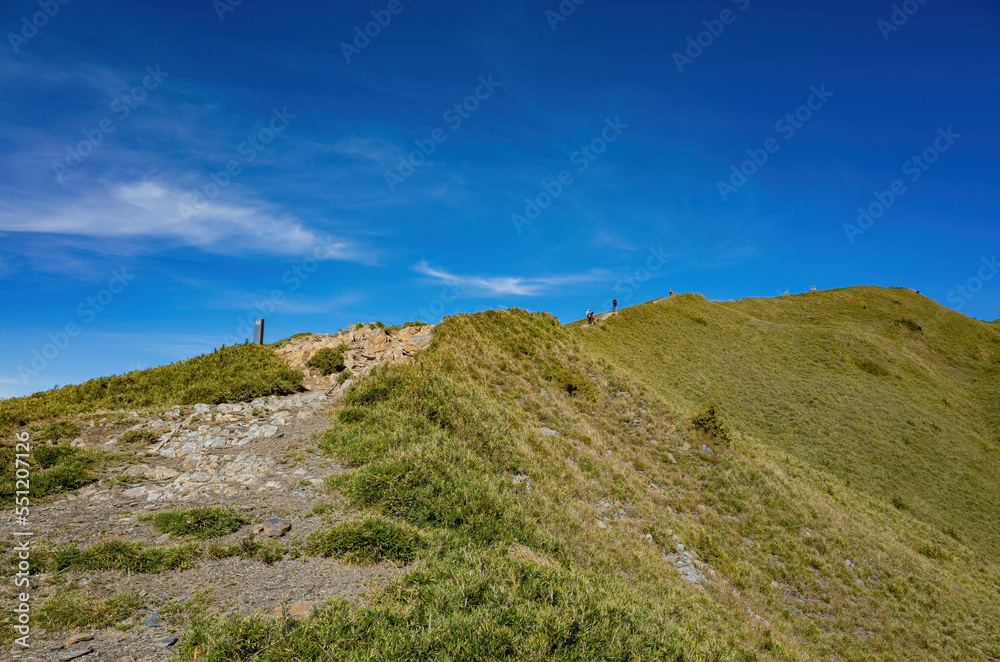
{"x":523,"y":478}
{"x":548,"y":432}
{"x":78,"y":638}
{"x":154,"y":621}
{"x":166,"y":642}
{"x":706,"y":450}
{"x":75,"y":652}
{"x":601,"y":524}
{"x":673,"y":460}
{"x":202,"y":408}
{"x":274,"y":528}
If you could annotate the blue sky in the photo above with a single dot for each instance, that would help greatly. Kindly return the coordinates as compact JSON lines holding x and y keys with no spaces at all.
{"x":170,"y":169}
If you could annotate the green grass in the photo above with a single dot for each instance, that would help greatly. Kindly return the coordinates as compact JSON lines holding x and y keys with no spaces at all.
{"x":202,"y":522}
{"x":54,"y":469}
{"x":59,"y":430}
{"x":70,"y":609}
{"x":372,"y":540}
{"x":879,"y":387}
{"x":116,"y":554}
{"x":141,"y":437}
{"x":238,"y":373}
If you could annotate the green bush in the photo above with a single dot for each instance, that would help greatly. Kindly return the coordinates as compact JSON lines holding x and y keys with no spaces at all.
{"x":570,"y":380}
{"x":372,"y":540}
{"x":710,"y":422}
{"x":344,"y":376}
{"x":202,"y":522}
{"x":329,"y":359}
{"x":58,"y":469}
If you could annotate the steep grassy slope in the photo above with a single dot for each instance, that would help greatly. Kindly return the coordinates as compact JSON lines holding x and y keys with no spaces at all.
{"x":883,"y":388}
{"x":550,"y":491}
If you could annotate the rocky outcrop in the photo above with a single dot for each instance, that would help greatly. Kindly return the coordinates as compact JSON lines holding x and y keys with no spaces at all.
{"x":366,"y":348}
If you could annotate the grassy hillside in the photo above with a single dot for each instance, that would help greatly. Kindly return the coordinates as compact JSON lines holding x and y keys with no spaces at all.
{"x":229,"y":374}
{"x":552,"y":493}
{"x":883,"y":388}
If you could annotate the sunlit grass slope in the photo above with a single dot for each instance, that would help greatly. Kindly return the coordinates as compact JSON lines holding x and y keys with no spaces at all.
{"x":229,"y":374}
{"x":544,"y":489}
{"x":889,"y":391}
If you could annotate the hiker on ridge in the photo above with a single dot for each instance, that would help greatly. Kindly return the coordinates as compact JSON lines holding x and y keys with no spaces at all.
{"x":614,"y":305}
{"x":590,"y":316}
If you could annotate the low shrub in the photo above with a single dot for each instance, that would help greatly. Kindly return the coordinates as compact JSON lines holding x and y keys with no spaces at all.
{"x":710,"y":422}
{"x":372,"y":540}
{"x":329,"y":360}
{"x":202,"y":522}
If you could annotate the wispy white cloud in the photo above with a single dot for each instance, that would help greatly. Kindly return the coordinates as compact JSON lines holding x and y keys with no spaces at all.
{"x":516,"y":285}
{"x":151,"y":210}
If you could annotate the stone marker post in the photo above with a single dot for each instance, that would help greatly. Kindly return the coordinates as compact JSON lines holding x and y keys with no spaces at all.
{"x":258,"y":331}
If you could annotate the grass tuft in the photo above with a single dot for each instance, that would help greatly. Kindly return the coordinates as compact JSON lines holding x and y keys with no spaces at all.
{"x":371,"y":540}
{"x":202,"y":522}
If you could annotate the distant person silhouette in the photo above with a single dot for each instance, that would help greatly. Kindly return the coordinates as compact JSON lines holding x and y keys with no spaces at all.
{"x":614,"y":305}
{"x":590,"y":316}
{"x":670,"y":293}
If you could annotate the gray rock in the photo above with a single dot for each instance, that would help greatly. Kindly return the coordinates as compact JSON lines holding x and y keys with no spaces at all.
{"x":706,"y":450}
{"x":202,"y":408}
{"x":166,"y":642}
{"x":548,"y":432}
{"x":75,"y":652}
{"x":154,"y":621}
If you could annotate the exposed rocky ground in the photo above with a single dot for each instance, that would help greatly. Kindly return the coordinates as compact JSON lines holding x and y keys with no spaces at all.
{"x":259,"y":457}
